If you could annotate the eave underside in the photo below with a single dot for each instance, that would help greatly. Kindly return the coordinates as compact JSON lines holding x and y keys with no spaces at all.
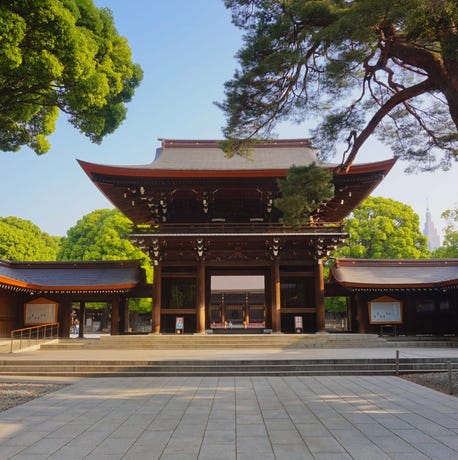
{"x":153,"y":200}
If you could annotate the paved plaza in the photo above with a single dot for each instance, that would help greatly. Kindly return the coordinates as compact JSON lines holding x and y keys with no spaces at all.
{"x":177,"y":418}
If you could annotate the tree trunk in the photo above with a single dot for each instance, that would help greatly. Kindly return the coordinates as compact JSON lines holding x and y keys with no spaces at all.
{"x":450,"y":90}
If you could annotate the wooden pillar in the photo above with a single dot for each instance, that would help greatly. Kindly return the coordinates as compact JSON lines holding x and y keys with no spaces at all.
{"x":122,"y":328}
{"x":409,"y":307}
{"x":349,"y":314}
{"x":157,"y":300}
{"x":64,"y":316}
{"x":361,"y":308}
{"x":353,"y":316}
{"x":82,"y":319}
{"x":319,"y":297}
{"x":276,"y":301}
{"x":115,"y":316}
{"x":200,"y":298}
{"x":126,"y":316}
{"x":268,"y":286}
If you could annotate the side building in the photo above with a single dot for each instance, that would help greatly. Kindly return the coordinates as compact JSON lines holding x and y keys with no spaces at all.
{"x":409,"y":297}
{"x":37,"y":293}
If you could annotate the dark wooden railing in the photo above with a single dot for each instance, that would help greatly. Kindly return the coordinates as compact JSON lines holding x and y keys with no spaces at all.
{"x":33,"y":335}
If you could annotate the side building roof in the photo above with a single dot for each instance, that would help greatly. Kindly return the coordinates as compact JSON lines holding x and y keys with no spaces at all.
{"x":365,"y":274}
{"x":99,"y":276}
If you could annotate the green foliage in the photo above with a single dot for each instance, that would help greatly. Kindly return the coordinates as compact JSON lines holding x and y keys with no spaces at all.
{"x":103,"y":235}
{"x":303,"y":190}
{"x":449,"y":248}
{"x":21,"y":240}
{"x":383,"y":67}
{"x":335,"y":304}
{"x":61,"y":55}
{"x":382,"y":228}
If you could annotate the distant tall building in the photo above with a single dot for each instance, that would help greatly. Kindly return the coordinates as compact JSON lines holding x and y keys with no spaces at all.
{"x":431,"y":233}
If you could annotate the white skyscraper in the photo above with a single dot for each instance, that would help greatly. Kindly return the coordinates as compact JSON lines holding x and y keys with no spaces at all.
{"x":431,"y":233}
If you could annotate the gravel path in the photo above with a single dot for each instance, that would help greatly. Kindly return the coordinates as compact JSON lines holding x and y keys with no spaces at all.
{"x":437,"y":381}
{"x":13,"y":394}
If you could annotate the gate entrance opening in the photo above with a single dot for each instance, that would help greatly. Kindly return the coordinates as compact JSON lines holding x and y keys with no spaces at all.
{"x":237,"y":302}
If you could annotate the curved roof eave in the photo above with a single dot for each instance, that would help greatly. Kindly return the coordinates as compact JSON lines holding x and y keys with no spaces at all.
{"x":388,"y":286}
{"x":87,"y":276}
{"x":395,"y":273}
{"x":53,"y":288}
{"x":146,"y":171}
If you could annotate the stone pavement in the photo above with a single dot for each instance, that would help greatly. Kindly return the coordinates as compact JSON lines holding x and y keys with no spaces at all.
{"x":217,"y":418}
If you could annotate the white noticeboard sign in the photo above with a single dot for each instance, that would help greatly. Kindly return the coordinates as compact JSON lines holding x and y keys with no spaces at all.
{"x":40,"y":313}
{"x":385,"y":311}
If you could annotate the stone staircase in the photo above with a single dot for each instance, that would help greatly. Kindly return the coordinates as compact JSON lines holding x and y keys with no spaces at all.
{"x":100,"y":367}
{"x":217,"y":341}
{"x":422,"y":341}
{"x":220,"y":368}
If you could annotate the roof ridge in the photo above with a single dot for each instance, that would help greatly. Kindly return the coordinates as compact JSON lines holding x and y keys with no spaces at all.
{"x":215,"y":143}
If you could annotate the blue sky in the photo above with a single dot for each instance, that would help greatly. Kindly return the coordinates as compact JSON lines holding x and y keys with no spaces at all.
{"x":186,"y":49}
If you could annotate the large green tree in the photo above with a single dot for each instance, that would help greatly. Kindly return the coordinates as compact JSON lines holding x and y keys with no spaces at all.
{"x":382,"y":228}
{"x":386,"y":67}
{"x":103,"y":235}
{"x":21,"y":240}
{"x":449,"y":248}
{"x":61,"y":55}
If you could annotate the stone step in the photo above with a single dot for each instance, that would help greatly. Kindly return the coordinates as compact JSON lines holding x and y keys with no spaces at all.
{"x":285,"y":341}
{"x":419,"y":344}
{"x":228,"y":341}
{"x":422,"y":338}
{"x":222,"y":367}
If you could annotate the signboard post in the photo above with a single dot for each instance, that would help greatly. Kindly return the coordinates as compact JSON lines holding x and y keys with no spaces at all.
{"x":385,"y":311}
{"x":298,"y":325}
{"x":179,"y":325}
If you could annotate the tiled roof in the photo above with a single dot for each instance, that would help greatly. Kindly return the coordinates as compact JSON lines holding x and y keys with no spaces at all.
{"x":207,"y":155}
{"x":72,"y":275}
{"x":366,"y":273}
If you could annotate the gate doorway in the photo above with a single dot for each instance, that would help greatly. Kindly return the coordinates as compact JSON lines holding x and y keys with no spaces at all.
{"x":237,"y":302}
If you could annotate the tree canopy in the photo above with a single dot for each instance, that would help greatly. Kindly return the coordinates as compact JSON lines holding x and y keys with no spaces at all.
{"x":362,"y":67}
{"x":100,"y":235}
{"x":21,"y":240}
{"x":61,"y":55}
{"x":449,"y":248}
{"x":382,"y":228}
{"x":103,"y":235}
